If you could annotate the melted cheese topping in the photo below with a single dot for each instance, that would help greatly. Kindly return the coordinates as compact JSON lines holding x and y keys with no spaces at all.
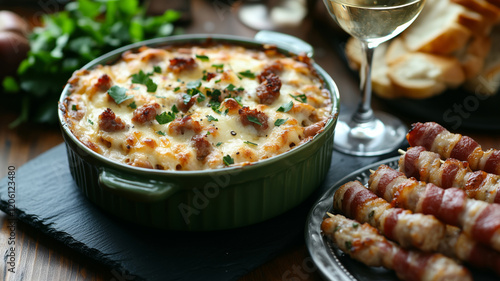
{"x":231,"y":71}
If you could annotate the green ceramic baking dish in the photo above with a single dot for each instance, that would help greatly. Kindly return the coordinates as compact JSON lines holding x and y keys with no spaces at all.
{"x":208,"y":199}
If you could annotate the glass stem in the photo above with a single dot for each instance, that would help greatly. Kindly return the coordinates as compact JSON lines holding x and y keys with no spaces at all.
{"x":364,"y":113}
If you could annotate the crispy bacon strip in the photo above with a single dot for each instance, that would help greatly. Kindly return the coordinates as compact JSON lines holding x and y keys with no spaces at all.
{"x":476,"y":218}
{"x":436,"y":138}
{"x":363,"y":243}
{"x":409,"y":229}
{"x":427,"y":166}
{"x":420,"y":231}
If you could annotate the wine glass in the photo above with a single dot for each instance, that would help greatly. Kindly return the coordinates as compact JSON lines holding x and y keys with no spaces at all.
{"x":372,"y":22}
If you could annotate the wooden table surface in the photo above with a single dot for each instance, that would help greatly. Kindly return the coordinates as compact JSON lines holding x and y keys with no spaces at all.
{"x":42,"y":258}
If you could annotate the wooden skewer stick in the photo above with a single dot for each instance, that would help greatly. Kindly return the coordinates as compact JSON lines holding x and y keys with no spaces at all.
{"x":329,"y":214}
{"x":402,"y":152}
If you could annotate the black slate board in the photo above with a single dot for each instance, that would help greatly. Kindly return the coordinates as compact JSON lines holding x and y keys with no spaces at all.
{"x":48,"y":199}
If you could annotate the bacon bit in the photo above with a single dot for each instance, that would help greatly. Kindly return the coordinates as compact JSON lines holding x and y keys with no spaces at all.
{"x":269,"y":90}
{"x":210,"y":75}
{"x":146,"y":113}
{"x":179,"y":64}
{"x":202,"y":146}
{"x":74,"y":101}
{"x":180,"y":125}
{"x":245,"y":112}
{"x":185,"y":107}
{"x":275,"y":68}
{"x":109,"y":122}
{"x":149,"y":142}
{"x":103,"y":83}
{"x":232,"y":105}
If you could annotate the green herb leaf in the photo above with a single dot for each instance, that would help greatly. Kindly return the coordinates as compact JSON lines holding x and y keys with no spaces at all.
{"x":144,"y":79}
{"x":193,"y":84}
{"x":174,"y":109}
{"x":348,"y":245}
{"x":238,"y":99}
{"x":211,"y":118}
{"x":355,"y":225}
{"x":218,"y":144}
{"x":161,"y":133}
{"x":132,"y":105}
{"x":228,"y":160}
{"x":251,"y":143}
{"x":119,"y":94}
{"x":202,"y":57}
{"x":247,"y":74}
{"x":165,"y":117}
{"x":10,"y":84}
{"x":157,"y":69}
{"x":230,"y":87}
{"x":254,"y":119}
{"x":90,"y":121}
{"x":73,"y":107}
{"x":286,"y":107}
{"x":201,"y":97}
{"x":300,"y":98}
{"x":186,"y":98}
{"x":219,"y":68}
{"x":177,"y":89}
{"x":280,"y":122}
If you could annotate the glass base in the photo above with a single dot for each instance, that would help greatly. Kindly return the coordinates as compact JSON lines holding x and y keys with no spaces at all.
{"x":380,"y":136}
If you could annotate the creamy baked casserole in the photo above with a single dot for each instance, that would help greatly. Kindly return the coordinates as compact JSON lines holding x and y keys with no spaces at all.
{"x":197,"y":107}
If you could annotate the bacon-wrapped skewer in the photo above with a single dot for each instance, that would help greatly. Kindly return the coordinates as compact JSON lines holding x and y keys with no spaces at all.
{"x":423,"y":232}
{"x":478,"y":219}
{"x":410,"y":230}
{"x":427,"y":166}
{"x":363,"y":243}
{"x":436,"y":138}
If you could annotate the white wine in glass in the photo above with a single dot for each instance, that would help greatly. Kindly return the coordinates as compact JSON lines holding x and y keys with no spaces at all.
{"x":372,"y":22}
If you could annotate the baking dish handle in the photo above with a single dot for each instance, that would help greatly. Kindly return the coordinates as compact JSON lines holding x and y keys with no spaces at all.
{"x":288,"y":42}
{"x":143,"y":190}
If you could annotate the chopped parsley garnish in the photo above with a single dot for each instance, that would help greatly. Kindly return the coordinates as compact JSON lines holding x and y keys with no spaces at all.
{"x":174,"y":109}
{"x":211,"y":118}
{"x":280,"y":122}
{"x":218,"y":144}
{"x":186,"y":98}
{"x":218,"y":67}
{"x":118,"y":94}
{"x":201,"y":97}
{"x":214,"y":104}
{"x":370,"y":215}
{"x":90,"y":121}
{"x":193,"y":91}
{"x":228,"y":160}
{"x":144,"y":79}
{"x":132,"y":105}
{"x":161,"y":133}
{"x":238,"y":99}
{"x":249,"y":142}
{"x":230,"y":87}
{"x":193,"y":84}
{"x":202,"y":57}
{"x":177,"y":89}
{"x":165,"y":117}
{"x":247,"y":74}
{"x":157,"y":69}
{"x":160,"y":97}
{"x":286,"y":107}
{"x":300,"y":98}
{"x":348,"y":245}
{"x":254,"y":119}
{"x":73,"y":107}
{"x":355,"y":225}
{"x":217,"y":81}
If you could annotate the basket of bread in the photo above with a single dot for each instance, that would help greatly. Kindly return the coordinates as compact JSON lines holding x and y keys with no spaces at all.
{"x":452,"y":44}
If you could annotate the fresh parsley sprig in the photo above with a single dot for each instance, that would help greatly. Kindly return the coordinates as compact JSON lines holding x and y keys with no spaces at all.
{"x":69,"y":39}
